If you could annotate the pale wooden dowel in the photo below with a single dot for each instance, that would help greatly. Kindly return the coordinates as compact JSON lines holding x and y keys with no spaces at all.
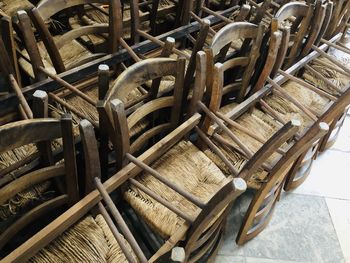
{"x":213,"y":13}
{"x":129,"y":50}
{"x":200,"y":20}
{"x":68,"y":86}
{"x":22,"y":112}
{"x":272,"y":112}
{"x":217,"y":151}
{"x":275,"y":4}
{"x":120,"y":221}
{"x":231,"y":146}
{"x":161,"y":200}
{"x":342,"y":45}
{"x":22,"y":100}
{"x":345,"y":50}
{"x":195,"y":200}
{"x":307,"y":85}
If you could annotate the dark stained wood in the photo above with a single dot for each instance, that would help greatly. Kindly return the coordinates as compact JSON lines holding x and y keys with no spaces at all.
{"x":41,"y":132}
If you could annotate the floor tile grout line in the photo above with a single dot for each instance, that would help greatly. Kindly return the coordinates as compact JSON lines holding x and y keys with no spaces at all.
{"x":317,"y":195}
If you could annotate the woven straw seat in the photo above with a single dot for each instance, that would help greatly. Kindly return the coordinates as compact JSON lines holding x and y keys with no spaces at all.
{"x":72,"y":54}
{"x":306,"y":96}
{"x":186,"y":166}
{"x":10,"y":7}
{"x":264,"y":126}
{"x":90,"y":240}
{"x":340,"y":80}
{"x":288,"y":111}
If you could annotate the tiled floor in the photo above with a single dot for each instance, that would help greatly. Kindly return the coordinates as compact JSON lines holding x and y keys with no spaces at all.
{"x":311,"y":224}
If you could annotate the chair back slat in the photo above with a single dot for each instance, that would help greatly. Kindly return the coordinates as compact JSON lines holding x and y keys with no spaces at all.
{"x":112,"y":110}
{"x":37,"y":130}
{"x":48,"y":8}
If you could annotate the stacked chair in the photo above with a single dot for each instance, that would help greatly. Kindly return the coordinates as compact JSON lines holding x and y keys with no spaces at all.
{"x":128,"y":129}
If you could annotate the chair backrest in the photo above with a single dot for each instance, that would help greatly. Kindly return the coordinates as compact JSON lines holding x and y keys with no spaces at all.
{"x":339,"y":17}
{"x":299,"y":33}
{"x":40,"y":132}
{"x":205,"y":227}
{"x":112,"y":109}
{"x":329,"y":10}
{"x":261,"y":208}
{"x":208,"y":228}
{"x":153,"y":15}
{"x":46,"y":9}
{"x":245,"y":59}
{"x":331,"y":115}
{"x":216,"y":84}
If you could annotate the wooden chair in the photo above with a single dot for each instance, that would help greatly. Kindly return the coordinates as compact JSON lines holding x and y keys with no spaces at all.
{"x":335,"y":110}
{"x":126,"y":248}
{"x":329,"y":74}
{"x":327,"y":80}
{"x":238,"y":145}
{"x":334,"y":117}
{"x":64,"y":51}
{"x":126,"y":84}
{"x":296,"y":98}
{"x":80,"y":99}
{"x":308,"y":97}
{"x":17,"y":192}
{"x":182,"y":153}
{"x":260,"y":209}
